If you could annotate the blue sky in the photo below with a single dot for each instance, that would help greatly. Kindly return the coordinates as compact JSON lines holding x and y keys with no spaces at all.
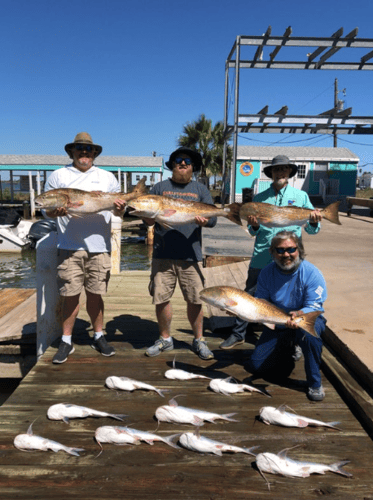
{"x":132,"y":73}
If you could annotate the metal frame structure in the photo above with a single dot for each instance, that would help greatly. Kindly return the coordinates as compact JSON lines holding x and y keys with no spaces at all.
{"x":333,"y":121}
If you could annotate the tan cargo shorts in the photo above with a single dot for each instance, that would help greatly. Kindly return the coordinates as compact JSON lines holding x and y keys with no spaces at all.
{"x":165,"y":274}
{"x":78,"y":269}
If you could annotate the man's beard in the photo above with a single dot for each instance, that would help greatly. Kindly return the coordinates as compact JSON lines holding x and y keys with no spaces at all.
{"x":181,"y":178}
{"x":291,"y":266}
{"x":280,"y":183}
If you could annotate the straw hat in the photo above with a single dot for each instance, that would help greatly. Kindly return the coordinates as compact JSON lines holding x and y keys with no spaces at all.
{"x":82,"y":138}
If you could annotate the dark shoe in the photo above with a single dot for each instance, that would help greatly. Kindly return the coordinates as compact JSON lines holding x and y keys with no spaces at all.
{"x":199,"y":346}
{"x":63,"y":352}
{"x":103,"y":347}
{"x":316,"y":394}
{"x":159,"y":346}
{"x":297,"y":354}
{"x":231,"y":341}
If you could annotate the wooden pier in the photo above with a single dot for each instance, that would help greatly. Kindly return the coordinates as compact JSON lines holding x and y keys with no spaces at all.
{"x":161,"y":472}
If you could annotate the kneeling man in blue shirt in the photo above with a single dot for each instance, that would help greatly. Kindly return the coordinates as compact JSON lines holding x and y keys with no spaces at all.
{"x":298,"y":287}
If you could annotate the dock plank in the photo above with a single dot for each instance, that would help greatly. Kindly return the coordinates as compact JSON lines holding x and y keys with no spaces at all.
{"x":161,"y":472}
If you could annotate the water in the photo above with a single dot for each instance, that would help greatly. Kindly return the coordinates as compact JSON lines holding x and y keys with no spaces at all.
{"x":19,"y":270}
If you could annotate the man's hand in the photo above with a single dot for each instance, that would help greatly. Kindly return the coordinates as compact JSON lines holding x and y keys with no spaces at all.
{"x":291,"y":321}
{"x":253,"y":222}
{"x":201,"y":221}
{"x":315,"y":216}
{"x":120,"y":207}
{"x":57,"y":212}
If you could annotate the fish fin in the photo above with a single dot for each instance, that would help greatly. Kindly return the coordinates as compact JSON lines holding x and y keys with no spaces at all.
{"x":338,"y":468}
{"x":75,"y":451}
{"x":174,"y":362}
{"x":76,"y":204}
{"x":119,"y":416}
{"x":161,"y":391}
{"x":173,"y":402}
{"x":228,"y":379}
{"x":271,"y":326}
{"x":170,"y":440}
{"x":305,"y":471}
{"x":333,"y":425}
{"x":330,"y":213}
{"x":307,"y":322}
{"x":228,"y":416}
{"x":164,"y":224}
{"x":230,"y":303}
{"x":249,"y":451}
{"x":216,"y":451}
{"x":29,"y":430}
{"x":197,"y":421}
{"x":196,"y":431}
{"x":283,"y":453}
{"x":168,"y":212}
{"x":301,"y":422}
{"x":66,"y":420}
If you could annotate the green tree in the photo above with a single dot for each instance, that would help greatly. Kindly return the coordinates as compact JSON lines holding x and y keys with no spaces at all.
{"x":208,"y":140}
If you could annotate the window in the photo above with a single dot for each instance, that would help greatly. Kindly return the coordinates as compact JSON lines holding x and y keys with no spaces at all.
{"x":137,"y":177}
{"x":301,"y":174}
{"x":320,"y":171}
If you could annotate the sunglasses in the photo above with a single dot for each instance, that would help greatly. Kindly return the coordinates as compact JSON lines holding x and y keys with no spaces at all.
{"x":281,"y":250}
{"x":85,"y":147}
{"x":187,"y":161}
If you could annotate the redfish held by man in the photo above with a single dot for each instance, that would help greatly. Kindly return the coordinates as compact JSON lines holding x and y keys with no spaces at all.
{"x":79,"y":203}
{"x":273,"y":216}
{"x":170,"y":212}
{"x":254,"y":310}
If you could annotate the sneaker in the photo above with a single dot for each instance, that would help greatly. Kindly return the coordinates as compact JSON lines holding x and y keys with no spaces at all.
{"x":231,"y":341}
{"x":316,"y":394}
{"x":199,"y":346}
{"x":297,"y":354}
{"x":103,"y":347}
{"x":63,"y":352}
{"x":160,"y":345}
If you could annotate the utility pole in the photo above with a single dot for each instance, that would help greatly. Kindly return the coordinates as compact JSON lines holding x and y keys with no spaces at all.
{"x":336,"y":107}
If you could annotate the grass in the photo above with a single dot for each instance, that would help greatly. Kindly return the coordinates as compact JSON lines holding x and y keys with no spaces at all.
{"x":364,"y":193}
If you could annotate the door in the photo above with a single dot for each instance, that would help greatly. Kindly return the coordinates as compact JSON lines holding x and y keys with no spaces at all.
{"x":301,"y":179}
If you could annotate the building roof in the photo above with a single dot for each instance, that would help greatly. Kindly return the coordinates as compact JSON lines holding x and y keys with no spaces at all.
{"x":101,"y":161}
{"x":297,"y":153}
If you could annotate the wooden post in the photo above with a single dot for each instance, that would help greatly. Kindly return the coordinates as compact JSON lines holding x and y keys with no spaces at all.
{"x":116,"y":234}
{"x":150,"y":236}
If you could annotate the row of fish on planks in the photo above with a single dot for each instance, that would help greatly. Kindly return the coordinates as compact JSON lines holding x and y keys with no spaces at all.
{"x":194,"y":441}
{"x":169,"y":212}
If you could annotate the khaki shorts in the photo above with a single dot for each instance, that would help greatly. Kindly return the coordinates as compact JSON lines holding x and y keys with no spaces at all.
{"x":79,"y":269}
{"x":166,"y":273}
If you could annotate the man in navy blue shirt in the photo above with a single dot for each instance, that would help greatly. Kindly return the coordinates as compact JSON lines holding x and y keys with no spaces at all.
{"x":298,"y":287}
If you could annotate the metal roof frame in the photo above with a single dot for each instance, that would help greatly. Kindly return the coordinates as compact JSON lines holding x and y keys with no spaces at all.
{"x":332,"y":121}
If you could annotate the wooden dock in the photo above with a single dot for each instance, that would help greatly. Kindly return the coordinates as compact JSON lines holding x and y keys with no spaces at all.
{"x":161,"y":472}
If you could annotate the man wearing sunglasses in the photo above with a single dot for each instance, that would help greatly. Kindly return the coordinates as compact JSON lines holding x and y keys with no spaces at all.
{"x":279,"y":193}
{"x":177,"y":254}
{"x":298,"y":287}
{"x":83,"y":245}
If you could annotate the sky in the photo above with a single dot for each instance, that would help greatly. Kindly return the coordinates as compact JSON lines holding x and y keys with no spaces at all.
{"x":133,"y":73}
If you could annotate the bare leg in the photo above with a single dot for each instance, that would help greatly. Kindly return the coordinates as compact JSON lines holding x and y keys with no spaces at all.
{"x":70,"y":310}
{"x":195,"y":317}
{"x":95,"y":310}
{"x":164,"y":317}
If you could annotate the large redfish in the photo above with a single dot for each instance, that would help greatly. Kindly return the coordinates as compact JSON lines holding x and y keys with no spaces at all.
{"x":79,"y":203}
{"x":273,"y":216}
{"x":170,"y":212}
{"x":254,"y":310}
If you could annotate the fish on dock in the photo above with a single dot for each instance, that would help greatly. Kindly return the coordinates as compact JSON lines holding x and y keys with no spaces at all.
{"x":128,"y":384}
{"x":177,"y":374}
{"x":65,"y":411}
{"x":281,"y":464}
{"x":195,"y":442}
{"x":128,"y":435}
{"x":31,"y":442}
{"x":170,"y":212}
{"x":79,"y":203}
{"x":278,"y":416}
{"x":173,"y":413}
{"x":274,"y":216}
{"x":254,"y":310}
{"x":226,"y":387}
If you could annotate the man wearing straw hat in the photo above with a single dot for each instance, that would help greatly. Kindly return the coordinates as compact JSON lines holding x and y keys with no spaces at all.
{"x":83,"y":245}
{"x":279,"y":193}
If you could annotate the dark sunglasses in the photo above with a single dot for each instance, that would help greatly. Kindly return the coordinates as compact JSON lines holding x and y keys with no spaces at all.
{"x":187,"y":161}
{"x":281,"y":251}
{"x":84,"y":147}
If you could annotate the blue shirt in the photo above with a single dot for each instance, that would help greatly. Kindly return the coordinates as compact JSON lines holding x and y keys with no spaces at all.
{"x":287,"y":196}
{"x":304,"y":289}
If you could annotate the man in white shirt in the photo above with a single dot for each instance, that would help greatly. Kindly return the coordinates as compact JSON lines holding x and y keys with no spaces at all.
{"x":83,"y":245}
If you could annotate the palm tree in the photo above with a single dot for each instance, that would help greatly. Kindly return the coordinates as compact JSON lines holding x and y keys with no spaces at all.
{"x":201,"y":136}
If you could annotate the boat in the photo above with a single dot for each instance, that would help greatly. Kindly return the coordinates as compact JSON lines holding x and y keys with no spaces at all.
{"x":13,"y":231}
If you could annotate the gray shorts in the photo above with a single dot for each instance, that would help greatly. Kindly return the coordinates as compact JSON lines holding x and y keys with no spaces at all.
{"x":166,"y":273}
{"x":78,"y":269}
